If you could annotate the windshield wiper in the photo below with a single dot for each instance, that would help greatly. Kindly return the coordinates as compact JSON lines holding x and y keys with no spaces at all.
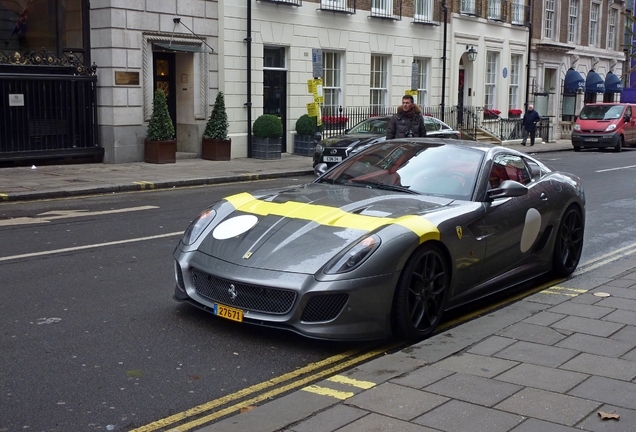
{"x":384,"y":186}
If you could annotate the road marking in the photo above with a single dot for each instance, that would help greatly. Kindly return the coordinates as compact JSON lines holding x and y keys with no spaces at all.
{"x":234,"y":409}
{"x":64,"y":214}
{"x":143,"y":184}
{"x":91,"y":246}
{"x":323,"y":391}
{"x":616,"y":169}
{"x":353,"y":382}
{"x":338,"y":394}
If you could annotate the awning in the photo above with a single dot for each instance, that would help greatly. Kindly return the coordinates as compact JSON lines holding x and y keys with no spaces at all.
{"x":573,"y":82}
{"x":171,"y":47}
{"x":594,"y":83}
{"x":613,"y":83}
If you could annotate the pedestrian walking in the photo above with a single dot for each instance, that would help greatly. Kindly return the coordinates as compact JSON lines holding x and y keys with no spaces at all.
{"x":407,"y":122}
{"x":530,"y":120}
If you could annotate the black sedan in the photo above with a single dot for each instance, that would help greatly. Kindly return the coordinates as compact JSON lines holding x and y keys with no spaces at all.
{"x":368,"y":132}
{"x":385,"y":242}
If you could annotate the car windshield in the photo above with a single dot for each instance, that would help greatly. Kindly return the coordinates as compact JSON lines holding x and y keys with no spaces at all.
{"x":371,"y":125}
{"x":601,"y":112}
{"x":425,"y":168}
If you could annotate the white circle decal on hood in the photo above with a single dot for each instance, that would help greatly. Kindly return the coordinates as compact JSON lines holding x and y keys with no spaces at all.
{"x":530,"y":229}
{"x":235,"y":226}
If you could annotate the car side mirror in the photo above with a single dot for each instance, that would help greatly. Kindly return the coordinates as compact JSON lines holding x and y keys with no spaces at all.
{"x":320,"y":169}
{"x":347,"y":131}
{"x":627,"y":117}
{"x":507,"y":189}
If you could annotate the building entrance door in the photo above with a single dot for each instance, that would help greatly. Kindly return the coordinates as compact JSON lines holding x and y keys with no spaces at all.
{"x":274,"y":97}
{"x":164,"y":79}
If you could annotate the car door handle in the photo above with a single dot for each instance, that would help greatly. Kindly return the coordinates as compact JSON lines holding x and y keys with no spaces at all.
{"x":544,"y":197}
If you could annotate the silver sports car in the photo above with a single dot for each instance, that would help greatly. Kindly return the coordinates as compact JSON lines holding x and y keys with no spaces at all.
{"x":383,"y":243}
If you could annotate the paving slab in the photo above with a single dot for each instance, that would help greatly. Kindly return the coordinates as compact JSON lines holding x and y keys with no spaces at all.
{"x":596,"y":345}
{"x":549,"y":406}
{"x":602,"y":366}
{"x":625,"y":423}
{"x":473,"y":389}
{"x":607,"y":390}
{"x":458,"y":416}
{"x":544,"y":355}
{"x":589,"y":326}
{"x":329,"y":420}
{"x":541,"y":377}
{"x":532,"y":333}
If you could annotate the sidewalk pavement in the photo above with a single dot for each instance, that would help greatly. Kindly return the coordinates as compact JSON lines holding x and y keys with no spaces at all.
{"x":55,"y":181}
{"x":562,"y":359}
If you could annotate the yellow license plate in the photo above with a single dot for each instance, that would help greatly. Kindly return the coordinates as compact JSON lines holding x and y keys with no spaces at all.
{"x":228,"y":312}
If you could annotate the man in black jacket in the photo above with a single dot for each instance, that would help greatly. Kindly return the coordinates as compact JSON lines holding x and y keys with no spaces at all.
{"x":530,"y":120}
{"x":408,"y":122}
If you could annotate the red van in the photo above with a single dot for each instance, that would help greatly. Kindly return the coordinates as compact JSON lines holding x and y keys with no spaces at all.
{"x":605,"y":125}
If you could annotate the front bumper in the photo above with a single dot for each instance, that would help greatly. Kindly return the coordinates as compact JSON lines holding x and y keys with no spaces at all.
{"x":606,"y":139}
{"x":353,"y":309}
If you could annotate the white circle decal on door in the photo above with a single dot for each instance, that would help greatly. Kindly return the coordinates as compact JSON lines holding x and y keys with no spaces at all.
{"x":530,"y":229}
{"x":235,"y":226}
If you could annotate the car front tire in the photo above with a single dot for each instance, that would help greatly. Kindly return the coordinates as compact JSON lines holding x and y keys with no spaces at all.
{"x":420,"y":296}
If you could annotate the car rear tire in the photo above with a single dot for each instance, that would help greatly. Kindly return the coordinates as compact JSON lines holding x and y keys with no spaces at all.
{"x":420,"y":296}
{"x":577,"y":148}
{"x":569,"y":243}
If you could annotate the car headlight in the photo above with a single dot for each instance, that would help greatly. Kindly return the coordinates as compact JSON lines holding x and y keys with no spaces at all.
{"x":577,"y":127}
{"x":198,"y":226}
{"x":610,"y":127}
{"x":354,"y":256}
{"x":319,"y":148}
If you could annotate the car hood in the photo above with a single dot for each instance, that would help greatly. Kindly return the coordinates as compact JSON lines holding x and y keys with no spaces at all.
{"x":302,"y":228}
{"x":351,"y":140}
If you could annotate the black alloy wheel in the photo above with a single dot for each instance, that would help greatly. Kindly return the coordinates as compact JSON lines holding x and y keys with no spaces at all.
{"x":420,"y":296}
{"x":569,"y":243}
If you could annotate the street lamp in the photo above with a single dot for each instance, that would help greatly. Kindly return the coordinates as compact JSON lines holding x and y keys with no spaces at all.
{"x":472,"y":53}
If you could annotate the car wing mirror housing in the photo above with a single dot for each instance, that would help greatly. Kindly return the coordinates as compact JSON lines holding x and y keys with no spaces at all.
{"x":320,"y":169}
{"x":507,"y":189}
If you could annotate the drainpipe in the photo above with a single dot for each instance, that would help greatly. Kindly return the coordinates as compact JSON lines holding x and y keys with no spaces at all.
{"x":443,"y":104}
{"x":529,"y":54}
{"x":248,"y":104}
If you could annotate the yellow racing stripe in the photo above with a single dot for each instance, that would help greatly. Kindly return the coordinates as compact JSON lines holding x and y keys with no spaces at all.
{"x":332,"y":216}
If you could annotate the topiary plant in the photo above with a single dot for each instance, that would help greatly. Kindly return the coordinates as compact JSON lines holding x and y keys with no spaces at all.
{"x":217,"y":124}
{"x":268,"y":126}
{"x":306,"y":125}
{"x":160,"y":127}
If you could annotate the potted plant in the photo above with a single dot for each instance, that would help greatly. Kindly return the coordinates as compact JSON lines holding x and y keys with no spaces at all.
{"x":268,"y":130}
{"x":160,"y":145}
{"x":215,"y":144}
{"x":491,"y":114}
{"x":304,"y":140}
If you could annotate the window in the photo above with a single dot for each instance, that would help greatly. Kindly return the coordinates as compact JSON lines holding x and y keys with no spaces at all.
{"x":573,"y":21}
{"x":332,"y":4}
{"x":518,"y":10}
{"x":513,"y":89}
{"x":423,"y":10}
{"x":491,"y":80}
{"x":332,"y":81}
{"x":594,"y":23}
{"x":548,"y":30}
{"x":56,"y":26}
{"x":378,"y":84}
{"x":494,"y":9}
{"x":382,"y":7}
{"x":422,"y":81}
{"x":467,"y":7}
{"x":611,"y":30}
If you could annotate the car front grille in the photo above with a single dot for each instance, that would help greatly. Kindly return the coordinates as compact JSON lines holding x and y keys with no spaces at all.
{"x":324,"y":307}
{"x":247,"y":297}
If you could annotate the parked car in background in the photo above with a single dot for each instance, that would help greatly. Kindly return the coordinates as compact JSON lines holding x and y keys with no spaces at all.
{"x":367,"y":133}
{"x":601,"y":125}
{"x":385,"y":242}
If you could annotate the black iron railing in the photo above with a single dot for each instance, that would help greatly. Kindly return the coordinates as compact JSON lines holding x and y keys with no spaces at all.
{"x":48,"y":116}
